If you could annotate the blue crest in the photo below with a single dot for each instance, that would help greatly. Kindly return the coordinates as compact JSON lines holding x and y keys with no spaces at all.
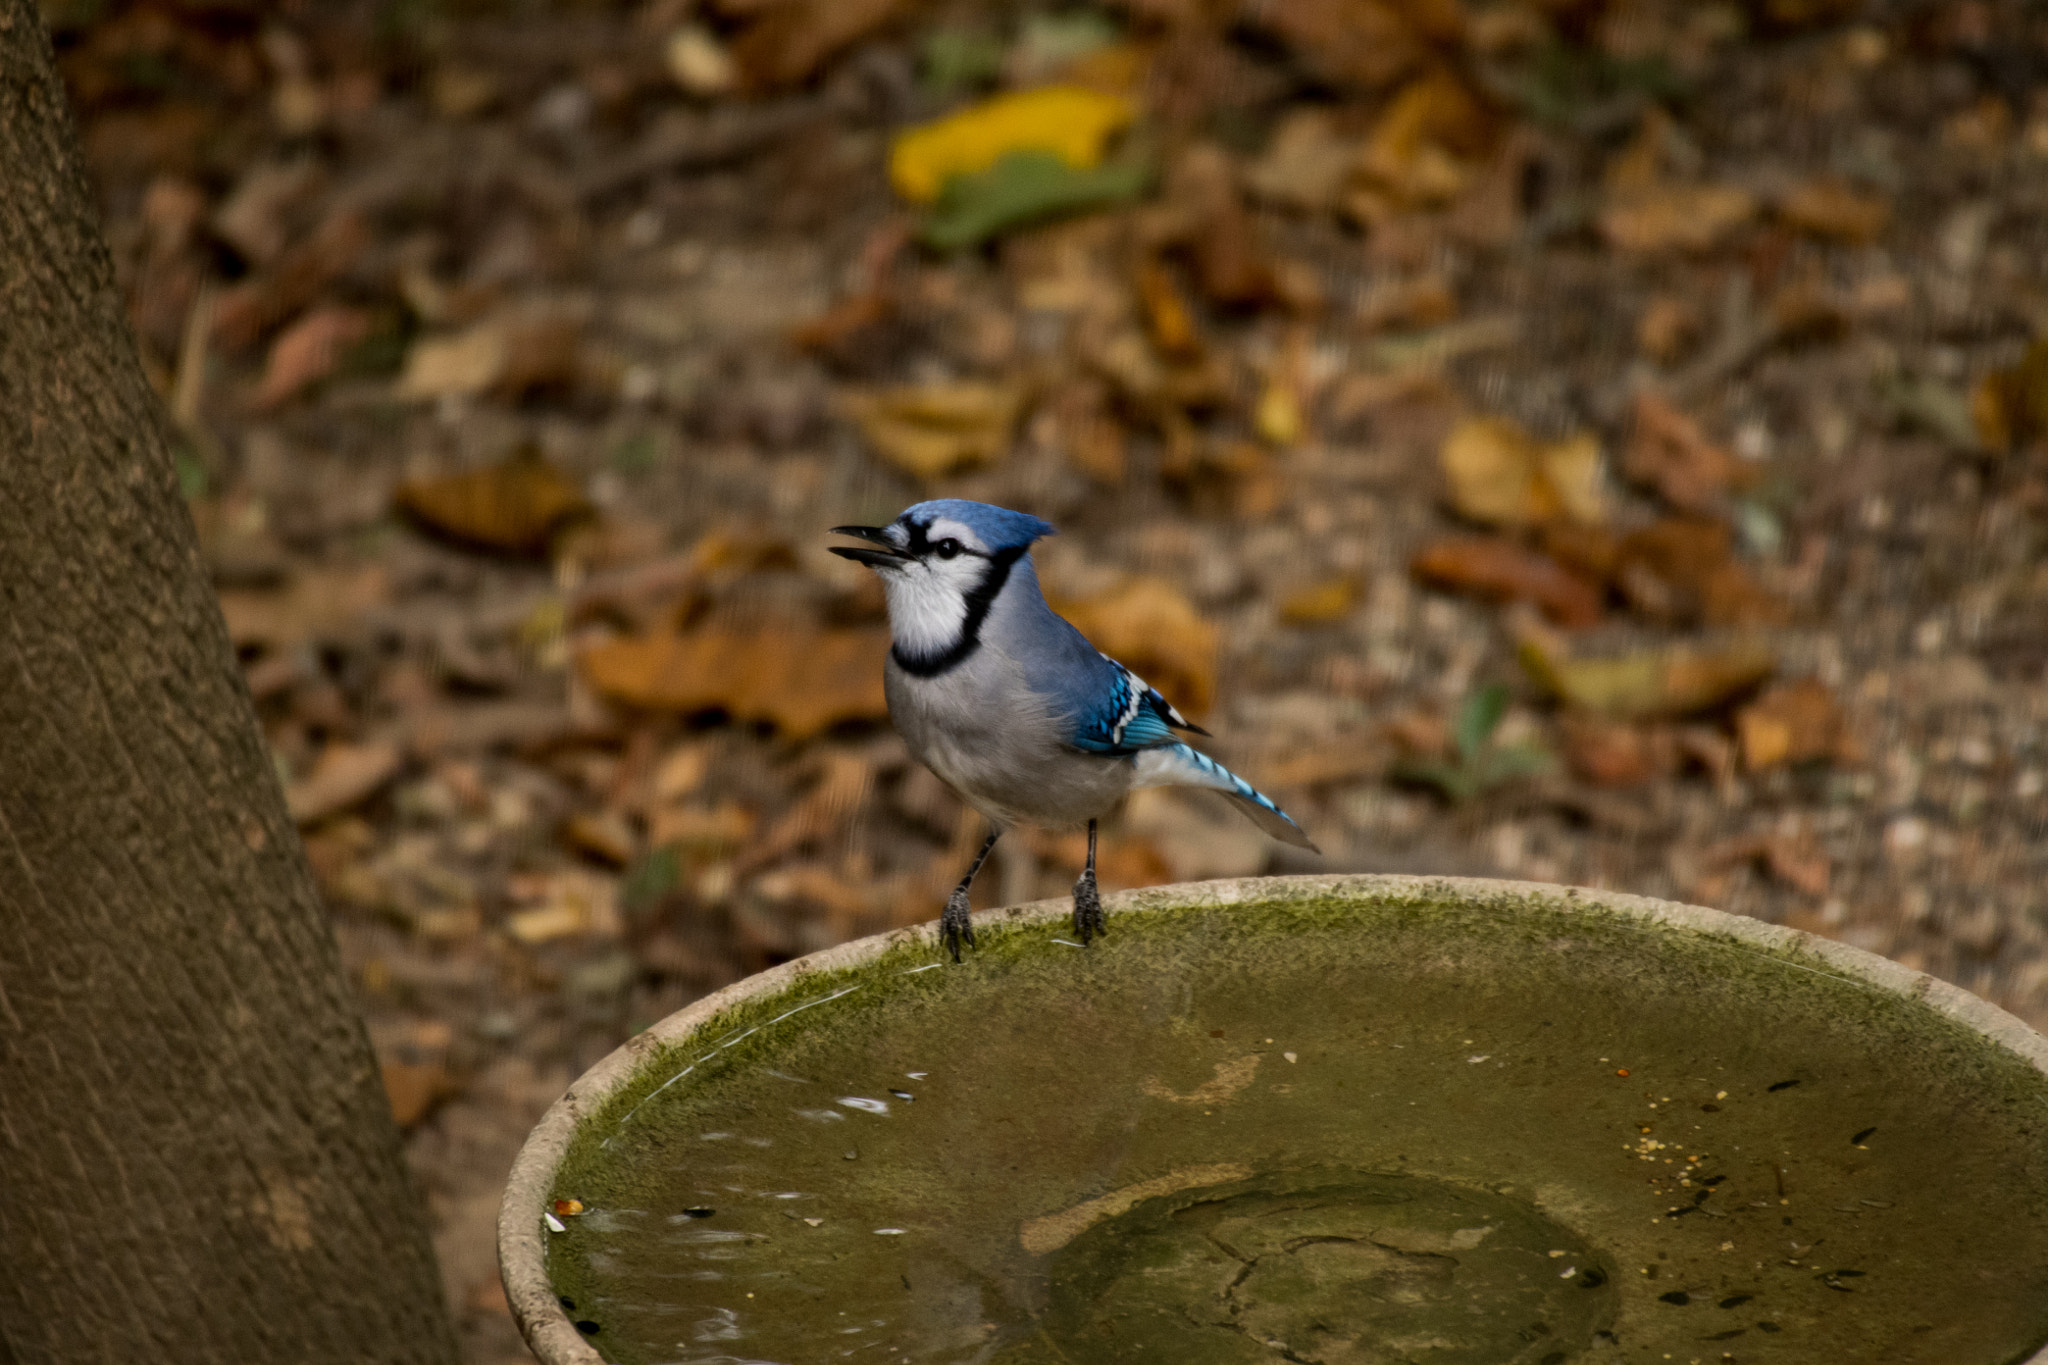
{"x":998,"y":527}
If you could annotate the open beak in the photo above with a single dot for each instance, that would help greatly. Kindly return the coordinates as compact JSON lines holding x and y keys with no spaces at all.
{"x":888,"y":556}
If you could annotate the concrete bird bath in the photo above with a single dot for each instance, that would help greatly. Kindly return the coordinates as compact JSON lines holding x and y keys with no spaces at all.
{"x":1318,"y":1119}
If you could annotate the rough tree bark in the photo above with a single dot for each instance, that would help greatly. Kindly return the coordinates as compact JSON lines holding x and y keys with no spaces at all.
{"x":197,"y":1162}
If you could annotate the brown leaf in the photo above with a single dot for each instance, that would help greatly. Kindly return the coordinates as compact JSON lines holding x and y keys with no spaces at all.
{"x":344,"y":775}
{"x":1682,"y":571}
{"x":794,"y":39}
{"x":1090,"y":435}
{"x":1149,"y":625}
{"x":254,"y":306}
{"x":415,"y":1088}
{"x":1368,"y":44}
{"x":1668,"y":452}
{"x":1693,"y":218}
{"x":1790,"y":723}
{"x":1830,"y":207}
{"x":1499,"y":475}
{"x":1503,"y":571}
{"x":1666,"y":328}
{"x":931,"y":430}
{"x":319,"y":604}
{"x":1306,"y":164}
{"x":1167,"y":316}
{"x":515,"y":506}
{"x":2010,"y":406}
{"x":1615,"y":753}
{"x":1792,"y":860}
{"x":308,"y":351}
{"x":801,"y":681}
{"x":1222,"y":242}
{"x":1421,"y":151}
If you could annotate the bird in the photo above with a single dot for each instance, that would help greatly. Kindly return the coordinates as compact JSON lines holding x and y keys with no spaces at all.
{"x":1010,"y":705}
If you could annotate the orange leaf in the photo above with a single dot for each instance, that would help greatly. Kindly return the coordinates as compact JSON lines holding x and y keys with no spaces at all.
{"x":308,"y":351}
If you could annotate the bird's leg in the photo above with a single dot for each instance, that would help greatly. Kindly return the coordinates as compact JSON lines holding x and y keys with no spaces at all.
{"x":954,"y":925}
{"x":1088,"y":917}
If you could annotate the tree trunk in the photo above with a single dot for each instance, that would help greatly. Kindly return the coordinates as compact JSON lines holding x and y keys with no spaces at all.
{"x":197,"y":1161}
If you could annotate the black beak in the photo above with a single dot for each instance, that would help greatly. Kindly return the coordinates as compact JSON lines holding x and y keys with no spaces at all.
{"x":886,"y":557}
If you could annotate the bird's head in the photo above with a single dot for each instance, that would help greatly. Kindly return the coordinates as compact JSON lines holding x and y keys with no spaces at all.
{"x":942,"y":564}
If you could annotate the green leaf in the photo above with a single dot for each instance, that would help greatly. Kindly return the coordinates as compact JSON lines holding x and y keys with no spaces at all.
{"x":1455,"y":782}
{"x":1025,"y":187}
{"x":648,"y":880}
{"x":957,"y":59}
{"x":1477,"y":718}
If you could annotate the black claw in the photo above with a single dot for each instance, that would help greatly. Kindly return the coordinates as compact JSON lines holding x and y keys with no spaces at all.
{"x":1089,"y":921}
{"x":955,"y":927}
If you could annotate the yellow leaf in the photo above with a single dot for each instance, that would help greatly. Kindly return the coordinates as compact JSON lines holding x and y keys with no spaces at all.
{"x":1651,"y":682}
{"x":1330,"y":600}
{"x":934,"y":429}
{"x":1072,"y":123}
{"x":1499,"y":475}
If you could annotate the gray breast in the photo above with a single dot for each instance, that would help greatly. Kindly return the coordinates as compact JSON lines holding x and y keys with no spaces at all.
{"x":986,"y":734}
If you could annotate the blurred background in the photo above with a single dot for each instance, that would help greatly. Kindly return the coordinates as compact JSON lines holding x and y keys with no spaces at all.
{"x":1576,"y":441}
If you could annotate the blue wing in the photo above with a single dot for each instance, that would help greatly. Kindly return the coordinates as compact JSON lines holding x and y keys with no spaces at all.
{"x":1127,"y":715}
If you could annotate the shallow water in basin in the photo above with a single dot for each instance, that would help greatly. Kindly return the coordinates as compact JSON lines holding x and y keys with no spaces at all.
{"x":1406,"y":1131}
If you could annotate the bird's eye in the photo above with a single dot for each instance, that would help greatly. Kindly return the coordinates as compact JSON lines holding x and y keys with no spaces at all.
{"x":947,"y":548}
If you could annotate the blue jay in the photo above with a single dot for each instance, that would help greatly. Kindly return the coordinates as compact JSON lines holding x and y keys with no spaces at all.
{"x":1009,"y":704}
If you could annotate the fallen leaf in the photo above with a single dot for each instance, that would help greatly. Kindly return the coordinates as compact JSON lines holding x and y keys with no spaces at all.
{"x":1167,"y":316}
{"x":1499,"y":475}
{"x":462,"y":365}
{"x":1791,"y":723}
{"x":1070,"y":124}
{"x":1676,"y":681}
{"x":308,"y":351}
{"x":1611,"y":753}
{"x":1306,"y":164}
{"x":1668,"y":452}
{"x":1368,"y":44}
{"x":2009,"y":407}
{"x":1089,"y":434}
{"x":801,"y":681}
{"x":706,"y":830}
{"x":603,"y":835}
{"x":515,"y":506}
{"x":343,"y":776}
{"x":1830,"y":207}
{"x":415,"y":1088}
{"x":1421,"y":151}
{"x":793,"y":39}
{"x":293,"y":281}
{"x":1500,"y":570}
{"x":1667,"y":327}
{"x":699,"y":63}
{"x":930,"y":430}
{"x":1023,"y":188}
{"x":1792,"y":860}
{"x":1320,"y":603}
{"x":1692,"y":218}
{"x":1220,"y":239}
{"x":1150,"y":625}
{"x":317,"y":604}
{"x":1682,"y":571}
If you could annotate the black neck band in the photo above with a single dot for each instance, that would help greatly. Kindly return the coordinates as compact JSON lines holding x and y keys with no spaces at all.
{"x":978,"y":603}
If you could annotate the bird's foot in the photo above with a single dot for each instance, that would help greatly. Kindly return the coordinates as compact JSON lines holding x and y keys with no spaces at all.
{"x":1089,"y":920}
{"x":955,"y":927}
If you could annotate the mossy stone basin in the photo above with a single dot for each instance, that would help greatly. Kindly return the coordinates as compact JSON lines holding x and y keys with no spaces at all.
{"x":1315,"y":1119}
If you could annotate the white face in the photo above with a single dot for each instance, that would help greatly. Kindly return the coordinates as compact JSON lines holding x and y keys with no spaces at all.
{"x":928,"y":595}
